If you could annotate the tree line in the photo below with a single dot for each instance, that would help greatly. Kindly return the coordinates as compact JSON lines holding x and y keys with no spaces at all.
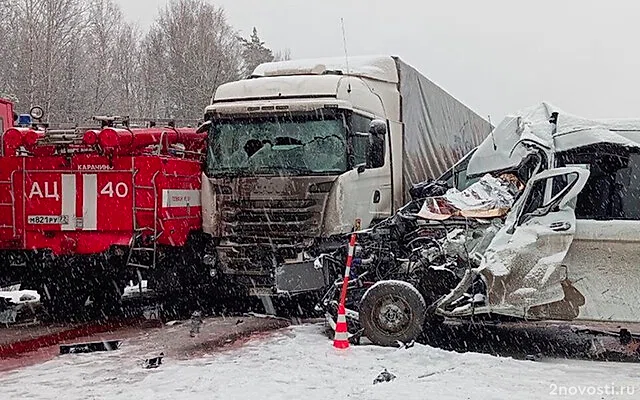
{"x":80,"y":58}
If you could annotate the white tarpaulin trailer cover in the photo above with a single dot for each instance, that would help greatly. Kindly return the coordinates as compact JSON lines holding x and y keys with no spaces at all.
{"x":438,"y":129}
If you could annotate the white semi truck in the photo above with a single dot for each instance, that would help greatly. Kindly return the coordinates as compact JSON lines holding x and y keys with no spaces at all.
{"x":303,"y":152}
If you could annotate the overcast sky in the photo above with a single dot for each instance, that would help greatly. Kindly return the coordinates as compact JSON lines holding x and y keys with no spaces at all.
{"x":496,"y":56}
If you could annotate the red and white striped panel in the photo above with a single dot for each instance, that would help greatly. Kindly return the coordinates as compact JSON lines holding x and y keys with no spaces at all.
{"x":78,"y":201}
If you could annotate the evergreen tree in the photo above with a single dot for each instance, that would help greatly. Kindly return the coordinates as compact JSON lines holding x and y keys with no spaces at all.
{"x":254,"y":52}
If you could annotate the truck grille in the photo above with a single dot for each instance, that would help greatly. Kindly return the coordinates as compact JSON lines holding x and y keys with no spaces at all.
{"x":259,"y":234}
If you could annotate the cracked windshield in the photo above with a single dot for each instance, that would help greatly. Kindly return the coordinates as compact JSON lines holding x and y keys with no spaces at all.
{"x":305,"y":144}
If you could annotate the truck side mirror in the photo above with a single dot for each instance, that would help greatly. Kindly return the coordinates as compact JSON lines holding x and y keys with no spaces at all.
{"x":204,"y":127}
{"x":378,"y":127}
{"x":377,"y":134}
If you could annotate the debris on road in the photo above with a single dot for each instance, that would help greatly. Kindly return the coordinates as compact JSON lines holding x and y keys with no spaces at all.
{"x":296,"y":360}
{"x":153,"y":362}
{"x":36,"y":344}
{"x":107,"y":345}
{"x":384,"y":376}
{"x":405,"y":346}
{"x":196,"y":322}
{"x":18,"y":305}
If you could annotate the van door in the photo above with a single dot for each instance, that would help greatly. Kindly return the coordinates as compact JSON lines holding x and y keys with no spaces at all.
{"x":603,"y":261}
{"x":604,"y":264}
{"x":523,"y":266}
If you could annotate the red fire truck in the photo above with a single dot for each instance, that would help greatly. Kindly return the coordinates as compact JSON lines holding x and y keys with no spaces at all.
{"x":84,"y":211}
{"x":6,"y":114}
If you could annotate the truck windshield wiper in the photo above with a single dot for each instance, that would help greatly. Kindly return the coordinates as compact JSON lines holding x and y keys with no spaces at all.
{"x":296,"y":170}
{"x":268,"y":169}
{"x":229,"y":171}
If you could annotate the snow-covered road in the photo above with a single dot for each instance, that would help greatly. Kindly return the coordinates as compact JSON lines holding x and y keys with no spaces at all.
{"x":299,"y":363}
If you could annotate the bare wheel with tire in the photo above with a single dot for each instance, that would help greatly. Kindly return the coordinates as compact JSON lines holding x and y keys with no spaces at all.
{"x":392,"y":311}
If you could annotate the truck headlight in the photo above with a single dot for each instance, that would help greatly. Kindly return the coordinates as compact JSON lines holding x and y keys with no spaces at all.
{"x":209,"y":260}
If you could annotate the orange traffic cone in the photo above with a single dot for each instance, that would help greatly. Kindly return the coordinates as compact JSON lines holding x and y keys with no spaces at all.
{"x":341,"y":339}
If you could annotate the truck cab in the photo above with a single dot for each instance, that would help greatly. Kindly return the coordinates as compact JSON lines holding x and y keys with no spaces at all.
{"x":290,"y":164}
{"x":302,"y":152}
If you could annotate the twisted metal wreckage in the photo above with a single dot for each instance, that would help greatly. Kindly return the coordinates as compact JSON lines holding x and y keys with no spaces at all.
{"x":540,"y":222}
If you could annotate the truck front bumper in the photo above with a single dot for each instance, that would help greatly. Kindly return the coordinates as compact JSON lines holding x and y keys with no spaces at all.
{"x":300,"y":277}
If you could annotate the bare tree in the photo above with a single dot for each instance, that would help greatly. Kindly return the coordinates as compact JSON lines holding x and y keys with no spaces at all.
{"x":188,"y":52}
{"x":282,"y":55}
{"x":77,"y":58}
{"x":7,"y":49}
{"x":153,"y":93}
{"x":43,"y":33}
{"x":104,"y":21}
{"x":127,"y":83}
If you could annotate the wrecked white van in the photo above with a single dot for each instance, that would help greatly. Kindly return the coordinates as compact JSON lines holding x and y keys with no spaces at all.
{"x":542,"y":222}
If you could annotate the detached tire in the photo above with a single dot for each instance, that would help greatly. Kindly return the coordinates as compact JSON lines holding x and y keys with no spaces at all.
{"x":392,"y":311}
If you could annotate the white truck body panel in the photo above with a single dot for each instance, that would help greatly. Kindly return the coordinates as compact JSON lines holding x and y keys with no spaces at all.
{"x":381,"y":68}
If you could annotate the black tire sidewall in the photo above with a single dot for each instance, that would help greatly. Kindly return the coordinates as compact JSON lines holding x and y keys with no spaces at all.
{"x":367,"y":313}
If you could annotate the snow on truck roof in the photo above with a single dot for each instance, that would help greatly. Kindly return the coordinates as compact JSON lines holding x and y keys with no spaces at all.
{"x":500,"y":151}
{"x":382,"y":68}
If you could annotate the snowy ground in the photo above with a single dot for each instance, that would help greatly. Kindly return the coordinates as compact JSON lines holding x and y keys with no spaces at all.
{"x":300,"y":363}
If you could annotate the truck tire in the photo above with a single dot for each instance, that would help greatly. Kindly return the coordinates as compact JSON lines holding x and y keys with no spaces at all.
{"x":391,"y":312}
{"x":107,"y":298}
{"x":64,"y":300}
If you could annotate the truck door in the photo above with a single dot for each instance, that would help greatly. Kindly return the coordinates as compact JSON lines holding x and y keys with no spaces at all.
{"x":367,"y":189}
{"x":523,"y":265}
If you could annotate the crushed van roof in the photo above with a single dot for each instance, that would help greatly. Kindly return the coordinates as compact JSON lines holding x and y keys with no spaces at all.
{"x":500,"y":151}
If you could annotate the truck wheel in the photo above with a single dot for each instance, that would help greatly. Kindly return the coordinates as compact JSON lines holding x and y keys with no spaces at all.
{"x":392,"y":311}
{"x":66,"y":302}
{"x":107,"y":298}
